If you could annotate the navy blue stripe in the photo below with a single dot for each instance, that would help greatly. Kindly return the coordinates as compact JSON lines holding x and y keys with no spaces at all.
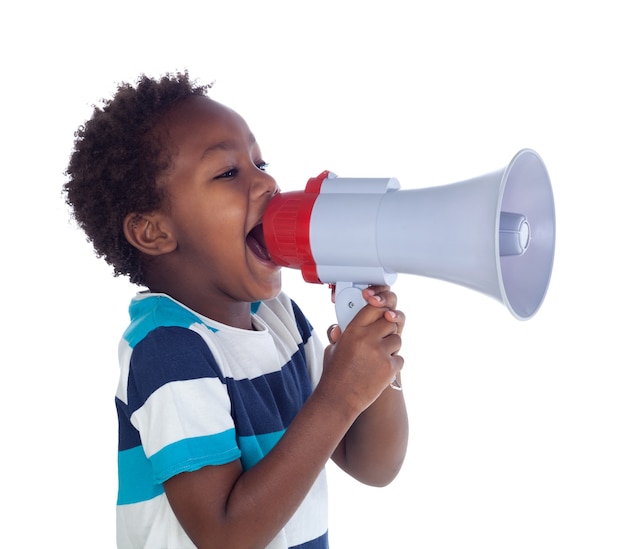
{"x":128,"y":436}
{"x":268,"y":404}
{"x":319,"y":543}
{"x":166,"y":355}
{"x":262,"y":405}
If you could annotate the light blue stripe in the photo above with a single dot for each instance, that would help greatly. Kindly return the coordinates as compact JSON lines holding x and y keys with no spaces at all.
{"x":255,"y":448}
{"x":191,"y":454}
{"x":135,"y":477}
{"x":140,"y":478}
{"x":157,"y":311}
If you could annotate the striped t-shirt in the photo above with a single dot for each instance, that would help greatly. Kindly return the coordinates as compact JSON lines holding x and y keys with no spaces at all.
{"x":194,"y":392}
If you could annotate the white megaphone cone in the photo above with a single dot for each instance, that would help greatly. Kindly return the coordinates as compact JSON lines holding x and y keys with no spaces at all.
{"x":494,"y":233}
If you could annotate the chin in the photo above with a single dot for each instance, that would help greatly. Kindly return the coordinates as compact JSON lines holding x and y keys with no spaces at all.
{"x":270,"y":290}
{"x":274,"y":293}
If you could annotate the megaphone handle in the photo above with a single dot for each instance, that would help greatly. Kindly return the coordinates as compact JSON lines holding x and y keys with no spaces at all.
{"x":348,"y":301}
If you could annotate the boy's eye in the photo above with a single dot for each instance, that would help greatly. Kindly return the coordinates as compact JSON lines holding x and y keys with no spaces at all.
{"x":228,"y":174}
{"x":233,"y":172}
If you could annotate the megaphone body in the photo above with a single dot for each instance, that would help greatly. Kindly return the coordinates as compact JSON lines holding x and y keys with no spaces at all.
{"x":494,"y":233}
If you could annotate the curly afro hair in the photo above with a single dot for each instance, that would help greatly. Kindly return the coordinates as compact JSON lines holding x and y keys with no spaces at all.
{"x":115,"y":164}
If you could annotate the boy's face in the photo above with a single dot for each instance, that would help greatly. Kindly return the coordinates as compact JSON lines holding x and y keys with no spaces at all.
{"x":216,"y":194}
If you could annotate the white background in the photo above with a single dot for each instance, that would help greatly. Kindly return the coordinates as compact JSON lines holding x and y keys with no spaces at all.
{"x":517,"y":428}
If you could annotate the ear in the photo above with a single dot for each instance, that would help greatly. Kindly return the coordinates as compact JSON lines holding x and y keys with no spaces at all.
{"x":149,"y":233}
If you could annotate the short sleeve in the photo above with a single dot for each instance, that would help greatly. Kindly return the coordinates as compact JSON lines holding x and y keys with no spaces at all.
{"x":179,"y":404}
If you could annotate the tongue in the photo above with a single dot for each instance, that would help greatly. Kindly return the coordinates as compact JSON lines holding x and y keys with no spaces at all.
{"x":256,"y":243}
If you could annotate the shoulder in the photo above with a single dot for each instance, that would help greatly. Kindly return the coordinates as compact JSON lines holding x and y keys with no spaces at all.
{"x":163,"y":343}
{"x":149,"y":312}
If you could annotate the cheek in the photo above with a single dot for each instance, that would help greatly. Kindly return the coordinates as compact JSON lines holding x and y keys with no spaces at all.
{"x":209,"y":213}
{"x":210,"y":218}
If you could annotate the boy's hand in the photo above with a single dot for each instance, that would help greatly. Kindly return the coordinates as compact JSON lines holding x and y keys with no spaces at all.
{"x":363,"y":361}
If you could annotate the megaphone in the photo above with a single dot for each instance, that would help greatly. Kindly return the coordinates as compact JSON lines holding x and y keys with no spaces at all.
{"x":494,"y":233}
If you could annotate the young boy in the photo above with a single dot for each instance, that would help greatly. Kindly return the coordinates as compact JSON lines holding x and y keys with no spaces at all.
{"x":226,"y":417}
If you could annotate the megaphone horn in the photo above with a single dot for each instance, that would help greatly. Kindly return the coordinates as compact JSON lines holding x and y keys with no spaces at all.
{"x":494,"y":233}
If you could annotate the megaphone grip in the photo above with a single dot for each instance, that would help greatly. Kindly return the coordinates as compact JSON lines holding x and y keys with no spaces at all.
{"x":348,"y":302}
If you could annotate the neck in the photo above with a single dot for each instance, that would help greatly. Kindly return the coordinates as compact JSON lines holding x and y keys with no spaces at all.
{"x":211,"y":303}
{"x":229,"y":312}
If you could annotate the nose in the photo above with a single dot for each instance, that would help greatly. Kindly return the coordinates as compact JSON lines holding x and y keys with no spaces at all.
{"x":264,"y":185}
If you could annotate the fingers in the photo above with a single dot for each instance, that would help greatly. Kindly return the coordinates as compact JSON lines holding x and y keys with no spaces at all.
{"x":333,"y":333}
{"x":391,"y":340}
{"x":382,"y":312}
{"x":383,"y":299}
{"x":380,"y":296}
{"x":365,"y":355}
{"x":397,"y":318}
{"x":386,"y":327}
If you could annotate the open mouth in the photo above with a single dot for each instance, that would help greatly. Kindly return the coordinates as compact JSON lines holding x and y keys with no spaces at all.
{"x":256,"y":242}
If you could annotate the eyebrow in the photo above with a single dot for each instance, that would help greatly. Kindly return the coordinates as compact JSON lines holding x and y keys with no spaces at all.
{"x":226,"y":145}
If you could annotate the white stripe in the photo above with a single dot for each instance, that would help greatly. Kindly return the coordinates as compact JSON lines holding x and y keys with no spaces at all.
{"x":187,"y":405}
{"x":310,"y":521}
{"x":231,"y":350}
{"x":150,"y":525}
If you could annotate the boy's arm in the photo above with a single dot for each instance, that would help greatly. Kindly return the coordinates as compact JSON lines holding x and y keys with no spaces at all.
{"x":222,"y":506}
{"x":374,"y":447}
